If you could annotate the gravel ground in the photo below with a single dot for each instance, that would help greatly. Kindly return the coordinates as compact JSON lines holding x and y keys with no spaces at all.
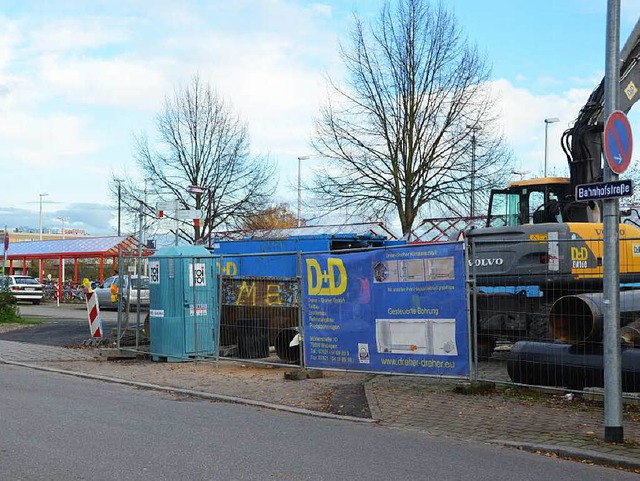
{"x":337,"y":392}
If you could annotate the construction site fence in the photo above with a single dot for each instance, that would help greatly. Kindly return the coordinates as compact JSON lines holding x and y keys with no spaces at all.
{"x":533,"y":323}
{"x":538,"y":312}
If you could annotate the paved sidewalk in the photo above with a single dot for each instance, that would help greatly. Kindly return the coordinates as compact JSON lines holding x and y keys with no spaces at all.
{"x":533,"y":420}
{"x":525,"y":419}
{"x":24,"y":352}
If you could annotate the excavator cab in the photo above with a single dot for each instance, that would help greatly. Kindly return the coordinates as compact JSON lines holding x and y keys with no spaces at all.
{"x":538,"y":201}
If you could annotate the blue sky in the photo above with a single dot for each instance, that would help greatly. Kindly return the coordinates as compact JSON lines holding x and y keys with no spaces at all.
{"x":78,"y":79}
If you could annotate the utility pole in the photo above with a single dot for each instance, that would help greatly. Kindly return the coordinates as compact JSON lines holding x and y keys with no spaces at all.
{"x":119,"y":202}
{"x":474,"y":129}
{"x":300,"y":159}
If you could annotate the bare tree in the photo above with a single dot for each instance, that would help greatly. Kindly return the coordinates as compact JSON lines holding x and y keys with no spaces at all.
{"x":398,"y":136}
{"x":202,"y":143}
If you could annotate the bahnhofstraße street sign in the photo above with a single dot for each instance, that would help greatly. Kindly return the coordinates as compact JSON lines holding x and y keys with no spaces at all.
{"x":604,"y":190}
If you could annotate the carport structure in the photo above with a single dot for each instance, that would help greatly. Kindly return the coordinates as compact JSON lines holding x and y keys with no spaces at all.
{"x":78,"y":248}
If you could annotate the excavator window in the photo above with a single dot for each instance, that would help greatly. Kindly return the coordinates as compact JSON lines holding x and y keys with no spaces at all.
{"x":536,"y":204}
{"x":504,"y":209}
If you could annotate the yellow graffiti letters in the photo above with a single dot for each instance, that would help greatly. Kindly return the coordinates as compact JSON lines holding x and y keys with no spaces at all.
{"x":273,"y":298}
{"x":249,"y":291}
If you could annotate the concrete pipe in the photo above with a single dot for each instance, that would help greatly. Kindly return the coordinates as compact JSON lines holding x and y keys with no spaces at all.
{"x":630,"y":334}
{"x":577,"y":319}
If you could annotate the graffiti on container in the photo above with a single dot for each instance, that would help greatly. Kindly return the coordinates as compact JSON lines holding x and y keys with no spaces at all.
{"x":228,"y":268}
{"x":260,"y":292}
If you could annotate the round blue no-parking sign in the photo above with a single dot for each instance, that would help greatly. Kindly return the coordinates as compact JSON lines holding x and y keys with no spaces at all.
{"x":618,"y":141}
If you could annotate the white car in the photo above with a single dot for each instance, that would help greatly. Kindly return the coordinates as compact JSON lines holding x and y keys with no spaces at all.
{"x":128,"y":293}
{"x":23,"y":288}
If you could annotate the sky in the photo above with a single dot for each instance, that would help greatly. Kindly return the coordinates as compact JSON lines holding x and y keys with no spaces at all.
{"x":80,"y":79}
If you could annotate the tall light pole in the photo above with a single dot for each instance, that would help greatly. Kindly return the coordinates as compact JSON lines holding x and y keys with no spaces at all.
{"x":547,"y":121}
{"x":41,"y":196}
{"x":40,"y":260}
{"x":63,"y":220}
{"x":119,"y":181}
{"x":300,"y":159}
{"x":474,"y":129}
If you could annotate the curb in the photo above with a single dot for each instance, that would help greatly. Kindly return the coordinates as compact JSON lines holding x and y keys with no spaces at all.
{"x":199,"y":394}
{"x":372,"y":401}
{"x":569,"y":452}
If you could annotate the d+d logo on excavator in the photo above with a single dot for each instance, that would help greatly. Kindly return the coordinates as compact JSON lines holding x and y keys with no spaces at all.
{"x":331,"y":281}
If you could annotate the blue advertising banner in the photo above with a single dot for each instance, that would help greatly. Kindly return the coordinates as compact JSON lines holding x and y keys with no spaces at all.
{"x":398,"y":310}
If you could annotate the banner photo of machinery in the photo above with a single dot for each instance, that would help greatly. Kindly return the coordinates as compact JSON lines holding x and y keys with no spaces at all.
{"x":400,"y":310}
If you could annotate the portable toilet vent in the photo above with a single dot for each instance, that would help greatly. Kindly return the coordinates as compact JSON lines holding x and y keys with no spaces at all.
{"x":183,"y":304}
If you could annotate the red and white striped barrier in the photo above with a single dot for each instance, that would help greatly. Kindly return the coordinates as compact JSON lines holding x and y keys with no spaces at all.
{"x":95,"y":321}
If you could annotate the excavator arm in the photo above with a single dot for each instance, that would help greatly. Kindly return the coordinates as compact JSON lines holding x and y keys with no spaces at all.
{"x":582,"y":143}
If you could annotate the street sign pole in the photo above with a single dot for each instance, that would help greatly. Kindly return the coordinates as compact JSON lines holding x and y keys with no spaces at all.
{"x":613,"y":430}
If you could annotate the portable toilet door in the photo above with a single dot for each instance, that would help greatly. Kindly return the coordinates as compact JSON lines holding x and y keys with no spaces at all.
{"x":200,"y":306}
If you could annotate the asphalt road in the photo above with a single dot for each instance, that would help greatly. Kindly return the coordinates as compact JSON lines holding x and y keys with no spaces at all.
{"x":64,"y":325}
{"x":57,"y":427}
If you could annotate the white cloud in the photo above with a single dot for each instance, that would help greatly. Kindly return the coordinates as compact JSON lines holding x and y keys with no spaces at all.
{"x":126,"y":83}
{"x":44,"y":141}
{"x":78,"y":34}
{"x":523,"y":115}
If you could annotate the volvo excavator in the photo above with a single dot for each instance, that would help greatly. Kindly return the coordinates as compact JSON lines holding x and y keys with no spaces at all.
{"x":540,"y":244}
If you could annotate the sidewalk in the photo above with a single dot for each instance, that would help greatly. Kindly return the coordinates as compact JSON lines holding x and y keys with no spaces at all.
{"x":527,"y":419}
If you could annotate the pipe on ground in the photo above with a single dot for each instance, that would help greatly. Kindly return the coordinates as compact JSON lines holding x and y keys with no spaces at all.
{"x":578,"y":319}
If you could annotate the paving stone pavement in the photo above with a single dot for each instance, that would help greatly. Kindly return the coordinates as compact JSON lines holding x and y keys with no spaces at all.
{"x":25,"y":352}
{"x":431,"y":406}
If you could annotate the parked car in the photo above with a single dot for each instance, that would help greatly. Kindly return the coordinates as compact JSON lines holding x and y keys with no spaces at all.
{"x":129,"y":291}
{"x":23,"y":288}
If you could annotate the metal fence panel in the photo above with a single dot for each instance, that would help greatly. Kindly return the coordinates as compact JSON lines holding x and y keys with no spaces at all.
{"x":260,"y":308}
{"x":538,"y":308}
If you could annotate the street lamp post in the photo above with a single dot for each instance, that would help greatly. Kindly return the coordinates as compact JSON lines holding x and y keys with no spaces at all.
{"x":547,"y":121}
{"x":40,"y":260}
{"x":41,"y":196}
{"x":63,"y":220}
{"x":300,"y":159}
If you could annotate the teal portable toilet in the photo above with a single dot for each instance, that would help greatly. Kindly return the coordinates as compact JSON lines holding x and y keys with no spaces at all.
{"x":183,"y":311}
